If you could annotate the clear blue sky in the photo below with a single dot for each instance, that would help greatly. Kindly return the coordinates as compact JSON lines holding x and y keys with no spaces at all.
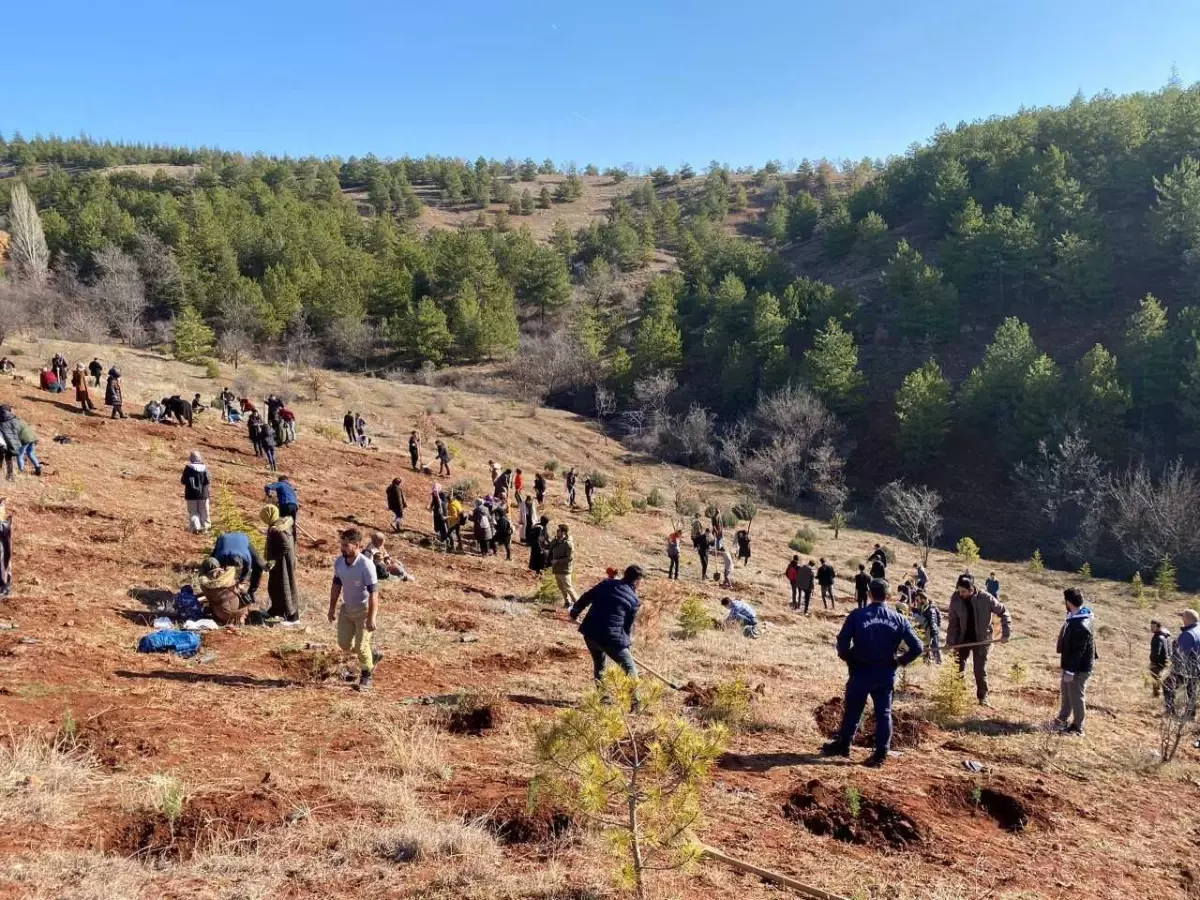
{"x":646,"y":82}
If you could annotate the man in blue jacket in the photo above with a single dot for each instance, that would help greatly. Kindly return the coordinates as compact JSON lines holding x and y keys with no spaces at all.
{"x":233,"y":548}
{"x":285,"y":499}
{"x":607,"y":628}
{"x":867,"y":644}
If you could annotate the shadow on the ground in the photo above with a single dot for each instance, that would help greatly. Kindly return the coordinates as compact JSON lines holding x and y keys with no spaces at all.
{"x":67,"y":407}
{"x":209,"y":678}
{"x":996,"y":727}
{"x":764,"y":762}
{"x":138,"y":617}
{"x":154,"y":598}
{"x":527,"y":700}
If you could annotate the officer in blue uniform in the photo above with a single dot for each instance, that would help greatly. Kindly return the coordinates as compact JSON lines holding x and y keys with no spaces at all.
{"x":867,"y":644}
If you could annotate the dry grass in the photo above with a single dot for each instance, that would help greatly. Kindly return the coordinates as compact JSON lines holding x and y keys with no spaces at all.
{"x":42,"y":780}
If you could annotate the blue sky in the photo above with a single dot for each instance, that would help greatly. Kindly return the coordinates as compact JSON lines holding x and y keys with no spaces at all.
{"x":609,"y":83}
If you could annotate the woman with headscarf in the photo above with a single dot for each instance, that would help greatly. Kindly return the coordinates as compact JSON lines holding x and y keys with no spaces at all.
{"x":282,"y":589}
{"x":79,"y":380}
{"x":439,"y":514}
{"x":539,"y":544}
{"x":530,"y":518}
{"x":113,"y":394}
{"x":481,"y":519}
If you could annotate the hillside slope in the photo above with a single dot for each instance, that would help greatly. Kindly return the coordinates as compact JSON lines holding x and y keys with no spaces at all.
{"x":301,"y":788}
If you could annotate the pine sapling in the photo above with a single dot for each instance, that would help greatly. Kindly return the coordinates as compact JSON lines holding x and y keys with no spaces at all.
{"x":1035,"y":563}
{"x":1085,"y":571}
{"x":1165,"y":581}
{"x":693,"y":617}
{"x":968,"y":551}
{"x":1139,"y":590}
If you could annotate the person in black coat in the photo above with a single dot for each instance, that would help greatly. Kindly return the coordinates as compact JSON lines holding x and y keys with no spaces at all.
{"x":348,"y":424}
{"x":252,"y":430}
{"x":607,"y":629}
{"x":539,"y":488}
{"x":266,"y":440}
{"x":414,"y":450}
{"x":96,"y":368}
{"x":396,"y":503}
{"x":1160,"y":654}
{"x":539,"y":545}
{"x":1077,"y":653}
{"x":179,"y":408}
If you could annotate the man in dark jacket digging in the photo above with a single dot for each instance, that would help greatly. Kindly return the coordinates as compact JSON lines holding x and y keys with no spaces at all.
{"x":970,"y":622}
{"x":607,"y":629}
{"x":1077,"y":652}
{"x":867,"y":644}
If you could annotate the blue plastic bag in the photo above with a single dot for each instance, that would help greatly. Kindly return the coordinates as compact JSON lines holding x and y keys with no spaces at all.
{"x":185,"y":643}
{"x":187,"y":604}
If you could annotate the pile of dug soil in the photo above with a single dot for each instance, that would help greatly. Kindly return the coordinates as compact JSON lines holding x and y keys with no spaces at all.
{"x":908,"y":729}
{"x":309,"y":665}
{"x":205,"y":822}
{"x":848,"y":816}
{"x":1012,"y":808}
{"x":474,"y":714}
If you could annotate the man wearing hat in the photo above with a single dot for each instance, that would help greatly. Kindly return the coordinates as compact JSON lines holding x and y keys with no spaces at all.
{"x":867,"y":643}
{"x":970,"y":622}
{"x":1185,"y":664}
{"x":607,"y":629}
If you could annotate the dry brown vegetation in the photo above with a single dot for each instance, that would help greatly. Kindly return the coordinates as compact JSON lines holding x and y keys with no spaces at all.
{"x":236,"y":775}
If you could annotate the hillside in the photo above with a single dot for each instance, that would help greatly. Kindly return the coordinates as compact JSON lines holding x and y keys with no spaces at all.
{"x":295,"y":787}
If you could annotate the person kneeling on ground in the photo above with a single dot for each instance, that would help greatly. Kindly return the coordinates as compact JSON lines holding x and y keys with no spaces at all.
{"x":355,"y":582}
{"x":219,"y":585}
{"x":1077,"y":653}
{"x":607,"y":629}
{"x":741,"y":614}
{"x":385,"y":566}
{"x":233,"y":548}
{"x":867,"y":644}
{"x":153,"y":411}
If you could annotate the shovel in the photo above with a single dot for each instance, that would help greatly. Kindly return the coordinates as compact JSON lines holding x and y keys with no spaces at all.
{"x":767,"y":875}
{"x":984,"y":643}
{"x":667,"y":681}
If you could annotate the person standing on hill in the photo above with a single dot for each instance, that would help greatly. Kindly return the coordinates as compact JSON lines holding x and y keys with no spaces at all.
{"x":930,"y":619}
{"x":743,"y":545}
{"x":493,"y":471}
{"x":518,"y":486}
{"x":673,"y":541}
{"x":481,"y":522}
{"x":589,"y":492}
{"x":96,"y":368}
{"x":718,"y":527}
{"x":562,"y":564}
{"x":348,"y":424}
{"x":79,"y":381}
{"x":530,"y":519}
{"x":360,"y":431}
{"x":195,"y":483}
{"x":1160,"y":655}
{"x":396,"y":503}
{"x":607,"y":628}
{"x":266,"y":440}
{"x":1077,"y":655}
{"x":28,"y":438}
{"x":282,"y":589}
{"x":878,"y":562}
{"x":437,"y":506}
{"x":807,"y":580}
{"x":414,"y":450}
{"x":970,"y":622}
{"x":1185,"y":665}
{"x":456,"y":518}
{"x":252,"y":422}
{"x":703,"y":546}
{"x":287,"y":501}
{"x":792,"y":574}
{"x":10,"y":439}
{"x":227,"y":399}
{"x":825,"y":578}
{"x":443,"y":457}
{"x":993,"y":585}
{"x":60,"y":366}
{"x":539,"y":546}
{"x":727,"y":567}
{"x":571,"y":479}
{"x":355,"y":582}
{"x":6,"y":577}
{"x":862,"y":585}
{"x":922,"y":576}
{"x":113,"y":394}
{"x":539,"y":488}
{"x":867,"y":644}
{"x":504,"y":532}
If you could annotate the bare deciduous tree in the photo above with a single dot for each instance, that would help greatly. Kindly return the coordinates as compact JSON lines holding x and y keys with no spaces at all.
{"x":1064,"y":485}
{"x":353,"y":340}
{"x":606,"y":405}
{"x":27,"y":249}
{"x":691,"y":436}
{"x":299,"y":346}
{"x":829,"y":480}
{"x":233,"y":344}
{"x":913,"y":511}
{"x":160,"y":273}
{"x":12,"y":309}
{"x":547,"y":365}
{"x":121,"y":294}
{"x":1156,"y":519}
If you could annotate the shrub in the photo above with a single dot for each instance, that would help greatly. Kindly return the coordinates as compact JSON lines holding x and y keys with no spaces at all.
{"x":328,"y":431}
{"x":731,"y":704}
{"x":212,"y":368}
{"x":551,"y":465}
{"x":599,"y":479}
{"x":547,"y":589}
{"x":1139,"y":590}
{"x":656,"y":499}
{"x":950,"y":697}
{"x":601,"y":512}
{"x":803,"y":540}
{"x":968,"y":551}
{"x":693,"y":617}
{"x":1035,"y":563}
{"x":639,"y":505}
{"x":464,"y":489}
{"x":619,"y":502}
{"x":1085,"y":571}
{"x":1165,"y":580}
{"x":687,"y":506}
{"x":745,"y":509}
{"x":729,"y":519}
{"x":1017,"y":673}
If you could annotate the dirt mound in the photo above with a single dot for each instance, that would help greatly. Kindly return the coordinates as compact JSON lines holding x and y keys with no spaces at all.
{"x":699,"y":696}
{"x":474,"y":714}
{"x":513,"y":822}
{"x":306,"y":664}
{"x":114,"y":743}
{"x":848,"y":816}
{"x":908,"y":729}
{"x":455,"y":622}
{"x":1013,"y":809}
{"x":205,"y":822}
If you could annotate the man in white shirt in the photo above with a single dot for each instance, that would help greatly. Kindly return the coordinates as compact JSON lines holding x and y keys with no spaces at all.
{"x":355,"y":582}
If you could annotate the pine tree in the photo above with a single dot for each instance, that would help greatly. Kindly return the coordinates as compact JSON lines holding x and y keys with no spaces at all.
{"x":1035,"y":563}
{"x":777,"y":222}
{"x":1138,"y":588}
{"x":499,"y":332}
{"x":872,"y":236}
{"x":951,"y":188}
{"x":544,"y":201}
{"x":427,"y":332}
{"x":928,"y":306}
{"x":832,"y":364}
{"x":923,"y":411}
{"x":840,"y":232}
{"x":526,"y":205}
{"x":564,"y":240}
{"x":803,"y":214}
{"x":1165,"y":581}
{"x":193,"y":340}
{"x":1149,"y":357}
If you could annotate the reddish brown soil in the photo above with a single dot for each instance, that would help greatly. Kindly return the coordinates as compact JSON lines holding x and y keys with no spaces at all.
{"x":908,"y":730}
{"x":825,"y":811}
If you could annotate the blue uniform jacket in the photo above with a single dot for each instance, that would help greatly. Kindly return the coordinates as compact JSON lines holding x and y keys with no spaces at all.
{"x":871,"y":636}
{"x":233,"y":545}
{"x":611,"y":606}
{"x":284,"y":492}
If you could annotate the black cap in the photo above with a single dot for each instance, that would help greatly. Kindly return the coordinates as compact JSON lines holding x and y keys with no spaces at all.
{"x":879,"y":589}
{"x":965,"y":581}
{"x":635,"y":573}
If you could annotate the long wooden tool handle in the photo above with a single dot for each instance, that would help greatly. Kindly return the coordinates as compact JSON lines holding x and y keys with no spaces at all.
{"x":984,"y":643}
{"x":672,"y":685}
{"x":767,"y":875}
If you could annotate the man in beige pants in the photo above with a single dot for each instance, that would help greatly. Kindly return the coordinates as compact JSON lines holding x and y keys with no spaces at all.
{"x":562,"y":564}
{"x":355,"y":581}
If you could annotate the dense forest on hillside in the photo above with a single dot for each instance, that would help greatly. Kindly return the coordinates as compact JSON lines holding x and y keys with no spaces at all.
{"x":1009,"y":312}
